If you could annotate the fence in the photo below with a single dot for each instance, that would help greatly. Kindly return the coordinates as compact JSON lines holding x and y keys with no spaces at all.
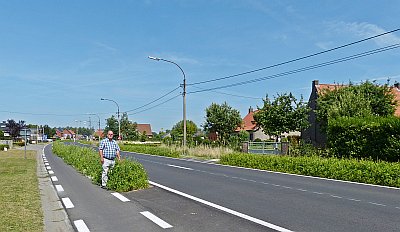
{"x":274,"y":148}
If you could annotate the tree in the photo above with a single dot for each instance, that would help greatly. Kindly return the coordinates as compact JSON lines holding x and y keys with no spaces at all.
{"x":15,"y":127}
{"x":112,"y":125}
{"x":367,"y":99}
{"x":49,"y":131}
{"x":177,"y":130}
{"x":1,"y":134}
{"x":222,"y":119}
{"x":128,"y":129}
{"x":284,"y":114}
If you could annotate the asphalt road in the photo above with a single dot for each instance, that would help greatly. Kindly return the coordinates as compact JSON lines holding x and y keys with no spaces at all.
{"x":291,"y":202}
{"x":99,"y":210}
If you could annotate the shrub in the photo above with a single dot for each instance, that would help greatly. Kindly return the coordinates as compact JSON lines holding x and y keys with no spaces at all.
{"x":2,"y":146}
{"x":372,"y":137}
{"x":153,"y":150}
{"x":128,"y":175}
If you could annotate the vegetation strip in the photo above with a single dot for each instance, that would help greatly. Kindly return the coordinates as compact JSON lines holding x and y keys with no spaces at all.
{"x":20,"y":205}
{"x":363,"y":171}
{"x":126,"y":175}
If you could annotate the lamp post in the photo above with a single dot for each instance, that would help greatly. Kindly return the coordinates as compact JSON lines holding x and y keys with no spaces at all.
{"x":183,"y":94}
{"x":119,"y":122}
{"x":99,"y":122}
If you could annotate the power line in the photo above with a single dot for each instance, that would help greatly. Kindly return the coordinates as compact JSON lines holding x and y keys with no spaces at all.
{"x":293,"y":60}
{"x":41,"y":114}
{"x":172,"y":98}
{"x":154,"y":100}
{"x":229,"y":94}
{"x":352,"y":57}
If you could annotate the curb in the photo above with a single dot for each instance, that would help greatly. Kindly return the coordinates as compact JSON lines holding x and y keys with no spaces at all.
{"x":55,"y":216}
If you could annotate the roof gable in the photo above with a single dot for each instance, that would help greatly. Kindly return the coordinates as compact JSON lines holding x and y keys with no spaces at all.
{"x":144,"y":128}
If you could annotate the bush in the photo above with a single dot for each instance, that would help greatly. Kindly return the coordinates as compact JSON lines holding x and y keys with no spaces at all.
{"x":372,"y":137}
{"x":379,"y":173}
{"x":21,"y":143}
{"x":128,"y":175}
{"x":2,"y":146}
{"x":153,"y":150}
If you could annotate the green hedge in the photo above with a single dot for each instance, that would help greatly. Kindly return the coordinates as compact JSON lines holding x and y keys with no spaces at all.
{"x":153,"y":150}
{"x":126,"y":175}
{"x":363,"y":171}
{"x":377,"y":138}
{"x":2,"y":146}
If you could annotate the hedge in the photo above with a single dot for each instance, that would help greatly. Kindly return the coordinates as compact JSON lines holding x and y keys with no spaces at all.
{"x":376,"y":138}
{"x":126,"y":175}
{"x":2,"y":146}
{"x":153,"y":150}
{"x":363,"y":171}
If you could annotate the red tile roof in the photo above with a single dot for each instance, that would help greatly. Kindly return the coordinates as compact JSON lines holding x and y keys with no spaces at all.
{"x":144,"y":128}
{"x":248,"y":122}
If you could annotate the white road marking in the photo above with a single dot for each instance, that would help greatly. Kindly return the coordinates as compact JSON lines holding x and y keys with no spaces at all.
{"x":54,"y":178}
{"x":376,"y":204}
{"x":51,"y":172}
{"x":241,"y":215}
{"x":336,"y":196}
{"x":119,"y":196}
{"x":47,"y":164}
{"x":397,"y":207}
{"x":67,"y":203}
{"x":179,"y":167}
{"x":59,"y":188}
{"x":318,"y":193}
{"x":81,"y":226}
{"x":352,"y":199}
{"x":48,"y":167}
{"x":156,"y":220}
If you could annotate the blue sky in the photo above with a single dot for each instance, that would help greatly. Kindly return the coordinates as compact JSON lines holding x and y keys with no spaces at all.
{"x":58,"y":58}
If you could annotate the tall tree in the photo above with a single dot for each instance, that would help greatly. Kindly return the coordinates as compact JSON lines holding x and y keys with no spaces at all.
{"x":222,"y":119}
{"x":128,"y":128}
{"x":366,"y":99}
{"x":284,"y":114}
{"x":15,"y":127}
{"x":112,"y":125}
{"x":177,"y":130}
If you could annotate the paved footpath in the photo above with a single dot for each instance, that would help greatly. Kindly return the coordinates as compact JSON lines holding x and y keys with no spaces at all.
{"x":55,"y":216}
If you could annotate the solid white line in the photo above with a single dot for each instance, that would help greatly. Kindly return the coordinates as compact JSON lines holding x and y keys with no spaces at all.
{"x":156,"y":220}
{"x":51,"y":172}
{"x":81,"y":226}
{"x":119,"y":196}
{"x":59,"y":188}
{"x":54,"y":178}
{"x":48,"y":167}
{"x":174,"y":166}
{"x":241,"y":215}
{"x":67,"y":203}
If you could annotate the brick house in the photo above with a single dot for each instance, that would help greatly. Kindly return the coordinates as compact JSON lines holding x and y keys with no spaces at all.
{"x":314,"y":133}
{"x":145,"y":129}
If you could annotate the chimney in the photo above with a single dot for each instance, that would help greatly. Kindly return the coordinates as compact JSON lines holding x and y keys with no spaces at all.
{"x":250,"y":109}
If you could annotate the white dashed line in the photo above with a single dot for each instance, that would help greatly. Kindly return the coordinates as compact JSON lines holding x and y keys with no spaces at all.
{"x":48,"y":167}
{"x":51,"y":172}
{"x":81,"y":226}
{"x":318,"y":193}
{"x":230,"y":211}
{"x":119,"y":196}
{"x":397,"y":207}
{"x":54,"y":178}
{"x":67,"y":203}
{"x":336,"y":196}
{"x":156,"y":220}
{"x":352,"y":199}
{"x":47,"y":164}
{"x":376,"y":204}
{"x":59,"y":188}
{"x":174,"y":166}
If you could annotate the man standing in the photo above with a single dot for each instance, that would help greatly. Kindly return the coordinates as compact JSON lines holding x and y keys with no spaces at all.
{"x":108,"y":151}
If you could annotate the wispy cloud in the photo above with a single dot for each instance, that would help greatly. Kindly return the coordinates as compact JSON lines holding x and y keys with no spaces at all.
{"x":363,"y":30}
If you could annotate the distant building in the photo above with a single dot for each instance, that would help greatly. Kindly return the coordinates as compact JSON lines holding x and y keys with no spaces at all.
{"x":145,"y":129}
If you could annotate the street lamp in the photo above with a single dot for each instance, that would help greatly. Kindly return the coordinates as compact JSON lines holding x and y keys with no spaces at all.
{"x":183,"y":94}
{"x":119,"y":122}
{"x":99,"y":122}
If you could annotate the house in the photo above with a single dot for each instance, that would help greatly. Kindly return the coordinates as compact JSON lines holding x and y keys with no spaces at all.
{"x":314,"y":133}
{"x":4,"y":128}
{"x":99,"y":133}
{"x":249,"y":125}
{"x":145,"y":129}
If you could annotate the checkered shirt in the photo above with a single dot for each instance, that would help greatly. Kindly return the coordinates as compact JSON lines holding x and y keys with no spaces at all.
{"x":109,"y":148}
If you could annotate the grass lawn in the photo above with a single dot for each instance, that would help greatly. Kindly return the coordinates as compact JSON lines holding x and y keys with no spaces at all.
{"x":20,"y":205}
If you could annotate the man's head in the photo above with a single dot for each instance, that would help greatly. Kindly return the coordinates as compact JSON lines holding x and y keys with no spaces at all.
{"x":110,"y":135}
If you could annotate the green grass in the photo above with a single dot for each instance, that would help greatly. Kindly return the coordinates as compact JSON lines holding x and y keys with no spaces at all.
{"x":20,"y":205}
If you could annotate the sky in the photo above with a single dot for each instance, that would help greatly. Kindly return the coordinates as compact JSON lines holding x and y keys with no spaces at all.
{"x":59,"y":58}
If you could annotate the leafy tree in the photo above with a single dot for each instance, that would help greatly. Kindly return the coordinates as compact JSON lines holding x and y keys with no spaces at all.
{"x":222,"y":119}
{"x":128,"y":129}
{"x":177,"y":130}
{"x":112,"y":125}
{"x":15,"y":127}
{"x":367,"y":99}
{"x":1,"y":134}
{"x":49,"y":131}
{"x":284,"y":114}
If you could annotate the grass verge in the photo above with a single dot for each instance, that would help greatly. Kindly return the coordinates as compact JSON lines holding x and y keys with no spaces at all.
{"x":20,"y":205}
